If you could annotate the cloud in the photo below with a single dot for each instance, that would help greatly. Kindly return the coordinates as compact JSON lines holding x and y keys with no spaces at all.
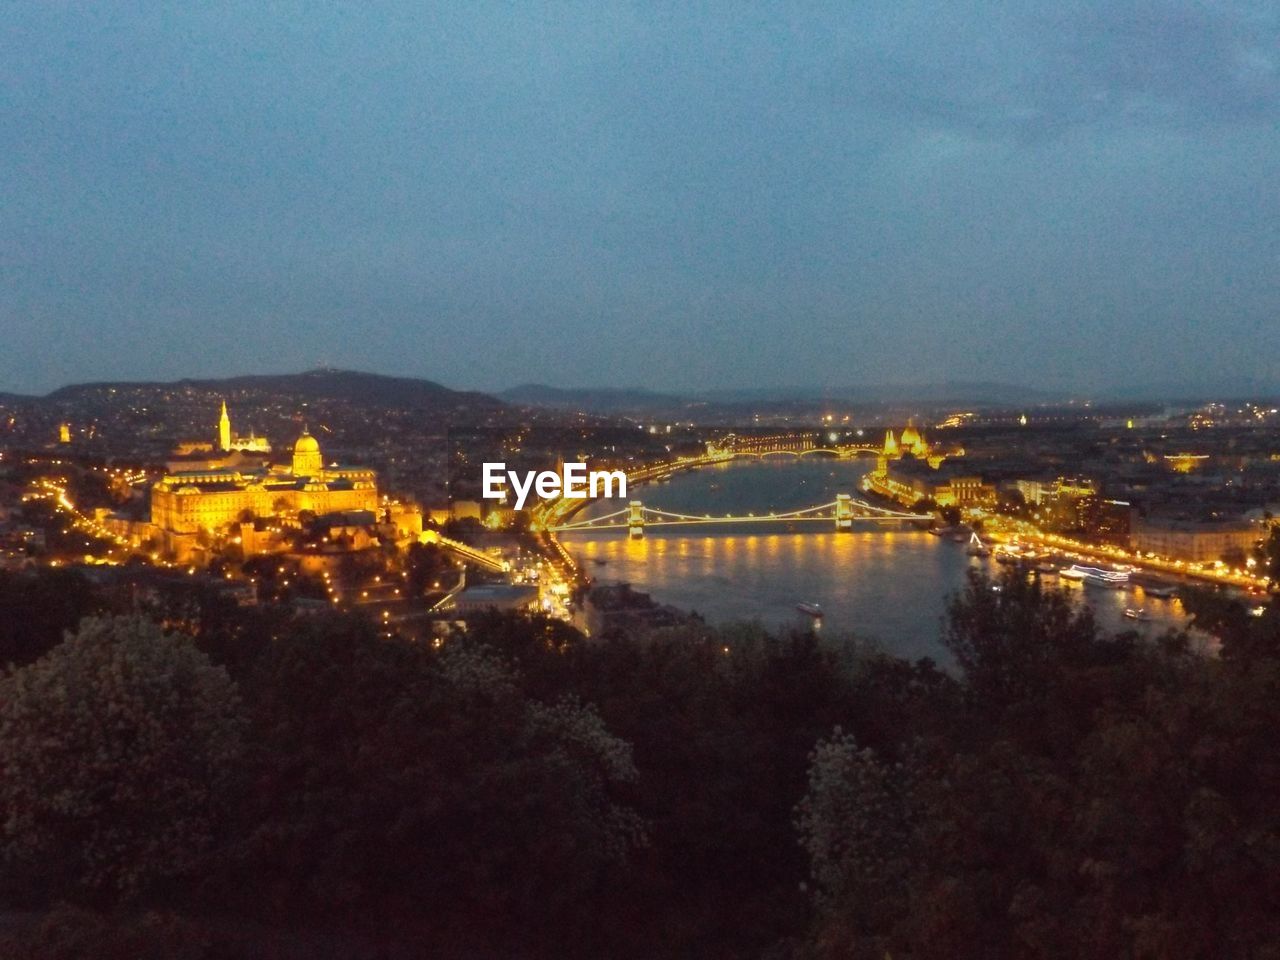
{"x":1027,"y":72}
{"x":887,"y":182}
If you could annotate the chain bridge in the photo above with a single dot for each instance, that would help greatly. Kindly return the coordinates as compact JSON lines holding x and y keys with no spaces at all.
{"x":841,"y":513}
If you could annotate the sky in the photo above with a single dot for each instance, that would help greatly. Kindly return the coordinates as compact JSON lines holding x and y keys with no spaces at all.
{"x":1072,"y":195}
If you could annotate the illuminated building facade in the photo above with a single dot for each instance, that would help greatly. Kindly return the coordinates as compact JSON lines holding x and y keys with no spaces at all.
{"x":1106,"y":521}
{"x":193,"y":501}
{"x":188,"y":504}
{"x":225,"y":443}
{"x":910,"y":480}
{"x":1196,"y":541}
{"x":1038,"y":491}
{"x":228,"y":441}
{"x":911,"y":443}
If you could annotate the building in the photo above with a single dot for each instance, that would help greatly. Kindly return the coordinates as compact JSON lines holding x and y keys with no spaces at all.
{"x":497,"y":596}
{"x":1106,"y":521}
{"x":910,"y":480}
{"x":466,"y":510}
{"x":226,"y":442}
{"x":912,"y":442}
{"x":911,"y":445}
{"x":191,"y":505}
{"x":1196,"y":541}
{"x":1036,"y":491}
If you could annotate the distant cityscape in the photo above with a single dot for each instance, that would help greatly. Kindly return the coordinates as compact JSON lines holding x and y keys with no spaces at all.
{"x":357,"y":491}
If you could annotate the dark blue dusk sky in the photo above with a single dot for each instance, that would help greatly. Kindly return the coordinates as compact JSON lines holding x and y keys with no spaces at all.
{"x":1065,"y":194}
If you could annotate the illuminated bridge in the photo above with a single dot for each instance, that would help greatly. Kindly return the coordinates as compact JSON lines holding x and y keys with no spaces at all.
{"x":842,"y":512}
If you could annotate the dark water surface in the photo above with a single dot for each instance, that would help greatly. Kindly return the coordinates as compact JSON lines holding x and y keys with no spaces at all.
{"x":888,"y":584}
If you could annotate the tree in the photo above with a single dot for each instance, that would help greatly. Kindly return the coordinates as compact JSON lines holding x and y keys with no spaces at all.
{"x":1008,"y":635}
{"x":424,"y":787}
{"x":855,"y":823}
{"x":118,"y":749}
{"x":425,"y":563}
{"x":1097,"y":796}
{"x":1010,"y":501}
{"x":37,"y":608}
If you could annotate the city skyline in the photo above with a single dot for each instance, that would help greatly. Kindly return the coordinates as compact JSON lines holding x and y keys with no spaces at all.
{"x":572,"y":480}
{"x":1074,"y":197}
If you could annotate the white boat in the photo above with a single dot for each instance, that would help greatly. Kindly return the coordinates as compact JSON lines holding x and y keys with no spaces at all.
{"x":812,"y":609}
{"x":1138,"y":614}
{"x":1107,"y":583}
{"x":1096,"y":576}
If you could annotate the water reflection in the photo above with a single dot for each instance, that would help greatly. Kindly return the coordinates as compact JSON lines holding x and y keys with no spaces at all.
{"x":890,"y":585}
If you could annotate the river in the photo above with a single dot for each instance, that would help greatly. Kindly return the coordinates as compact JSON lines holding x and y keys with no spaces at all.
{"x":888,"y":585}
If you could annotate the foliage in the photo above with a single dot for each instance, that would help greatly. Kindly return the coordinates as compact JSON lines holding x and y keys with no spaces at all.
{"x":37,"y":608}
{"x":118,"y":747}
{"x":425,"y":565}
{"x":74,"y":933}
{"x":1097,"y":797}
{"x":855,"y":823}
{"x":524,"y":790}
{"x":388,"y":777}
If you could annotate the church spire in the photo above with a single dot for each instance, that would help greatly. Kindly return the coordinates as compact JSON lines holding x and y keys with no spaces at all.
{"x":224,"y":429}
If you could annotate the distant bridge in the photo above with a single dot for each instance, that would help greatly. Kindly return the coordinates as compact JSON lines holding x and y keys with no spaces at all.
{"x":843,"y":451}
{"x":841,"y":513}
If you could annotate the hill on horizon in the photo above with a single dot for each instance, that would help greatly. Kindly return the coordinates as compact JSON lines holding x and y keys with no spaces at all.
{"x":351,"y":386}
{"x":617,"y":399}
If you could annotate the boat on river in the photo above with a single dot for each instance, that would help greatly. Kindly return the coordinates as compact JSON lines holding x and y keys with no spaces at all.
{"x":812,"y":609}
{"x":1096,"y":576}
{"x":1107,"y":583}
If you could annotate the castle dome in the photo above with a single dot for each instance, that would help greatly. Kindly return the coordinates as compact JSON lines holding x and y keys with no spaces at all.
{"x":307,"y":461}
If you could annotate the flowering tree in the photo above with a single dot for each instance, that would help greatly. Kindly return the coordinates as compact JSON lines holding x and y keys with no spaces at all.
{"x":117,"y":748}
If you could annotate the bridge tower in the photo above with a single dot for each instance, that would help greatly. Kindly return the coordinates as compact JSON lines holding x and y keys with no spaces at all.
{"x":844,"y":511}
{"x":635,"y":519}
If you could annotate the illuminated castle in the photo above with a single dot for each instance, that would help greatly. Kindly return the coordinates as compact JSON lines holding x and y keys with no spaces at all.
{"x":188,"y":503}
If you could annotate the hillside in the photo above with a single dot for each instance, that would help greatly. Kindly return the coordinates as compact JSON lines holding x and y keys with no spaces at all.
{"x":348,"y":386}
